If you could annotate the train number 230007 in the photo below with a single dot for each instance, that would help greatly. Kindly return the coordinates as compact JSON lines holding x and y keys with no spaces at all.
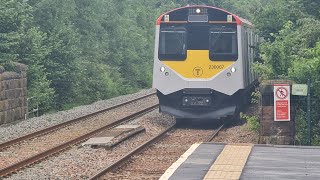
{"x":216,"y":66}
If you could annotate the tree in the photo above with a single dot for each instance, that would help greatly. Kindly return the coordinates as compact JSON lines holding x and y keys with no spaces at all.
{"x":54,"y":18}
{"x":21,"y":42}
{"x":274,"y":15}
{"x":307,"y":66}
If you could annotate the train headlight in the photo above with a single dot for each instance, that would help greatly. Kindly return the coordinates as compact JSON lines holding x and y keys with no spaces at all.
{"x":233,"y":69}
{"x":198,"y":11}
{"x":162,"y":69}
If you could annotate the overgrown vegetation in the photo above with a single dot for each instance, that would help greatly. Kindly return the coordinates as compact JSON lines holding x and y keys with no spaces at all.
{"x":292,"y":50}
{"x":255,"y":97}
{"x":79,"y":51}
{"x":301,"y":128}
{"x":252,"y":121}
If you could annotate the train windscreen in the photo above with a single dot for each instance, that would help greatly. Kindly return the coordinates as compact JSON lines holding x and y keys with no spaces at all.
{"x":220,"y":40}
{"x":172,"y":44}
{"x":223,"y":44}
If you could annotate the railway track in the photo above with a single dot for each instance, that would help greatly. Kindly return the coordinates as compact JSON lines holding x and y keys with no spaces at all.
{"x":68,"y":123}
{"x":48,"y":152}
{"x":215,"y":133}
{"x":161,"y":136}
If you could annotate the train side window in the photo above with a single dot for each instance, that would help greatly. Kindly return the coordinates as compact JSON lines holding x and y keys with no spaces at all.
{"x":172,"y":44}
{"x":223,"y":44}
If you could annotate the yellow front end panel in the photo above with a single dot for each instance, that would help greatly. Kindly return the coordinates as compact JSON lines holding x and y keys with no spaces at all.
{"x":198,"y":65}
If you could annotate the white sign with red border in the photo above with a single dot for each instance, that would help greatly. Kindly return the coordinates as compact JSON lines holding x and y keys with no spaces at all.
{"x":281,"y":102}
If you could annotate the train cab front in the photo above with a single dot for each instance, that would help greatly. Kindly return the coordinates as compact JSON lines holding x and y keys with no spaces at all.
{"x":197,"y":104}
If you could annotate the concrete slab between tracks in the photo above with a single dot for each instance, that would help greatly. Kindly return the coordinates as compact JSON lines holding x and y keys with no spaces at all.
{"x":111,"y":137}
{"x":246,"y":161}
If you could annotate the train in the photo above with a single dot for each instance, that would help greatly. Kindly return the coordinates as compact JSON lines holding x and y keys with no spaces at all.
{"x":203,"y":62}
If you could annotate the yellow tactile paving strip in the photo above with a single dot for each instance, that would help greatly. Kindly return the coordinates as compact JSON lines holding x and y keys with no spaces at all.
{"x":230,"y":163}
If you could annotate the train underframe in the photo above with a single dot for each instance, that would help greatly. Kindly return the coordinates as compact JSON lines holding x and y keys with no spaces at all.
{"x":203,"y":103}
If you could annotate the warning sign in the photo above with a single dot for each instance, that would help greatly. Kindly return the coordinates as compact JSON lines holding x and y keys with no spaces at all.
{"x":281,"y":93}
{"x":281,"y":102}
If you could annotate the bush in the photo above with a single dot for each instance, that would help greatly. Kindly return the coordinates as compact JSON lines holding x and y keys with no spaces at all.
{"x":301,"y":128}
{"x":252,"y":121}
{"x":255,"y":96}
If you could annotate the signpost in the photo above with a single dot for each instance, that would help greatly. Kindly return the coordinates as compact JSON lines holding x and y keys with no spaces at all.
{"x":300,"y":89}
{"x":281,"y":102}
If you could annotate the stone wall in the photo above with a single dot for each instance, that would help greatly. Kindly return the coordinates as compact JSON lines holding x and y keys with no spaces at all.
{"x":13,"y":93}
{"x":272,"y":132}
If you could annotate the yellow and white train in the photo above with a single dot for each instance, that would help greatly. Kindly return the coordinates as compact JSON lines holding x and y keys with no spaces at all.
{"x":202,"y":62}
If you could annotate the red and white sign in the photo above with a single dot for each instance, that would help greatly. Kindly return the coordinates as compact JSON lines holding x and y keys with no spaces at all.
{"x":281,"y":102}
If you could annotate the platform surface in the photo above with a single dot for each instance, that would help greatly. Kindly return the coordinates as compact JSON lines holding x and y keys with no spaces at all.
{"x":211,"y":161}
{"x":283,"y":163}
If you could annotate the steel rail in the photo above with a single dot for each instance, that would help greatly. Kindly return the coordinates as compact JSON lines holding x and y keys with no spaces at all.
{"x":17,"y":166}
{"x":126,"y":157}
{"x":215,"y":133}
{"x":59,"y":126}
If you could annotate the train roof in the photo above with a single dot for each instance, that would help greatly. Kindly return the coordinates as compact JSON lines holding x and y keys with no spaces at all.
{"x":238,"y":20}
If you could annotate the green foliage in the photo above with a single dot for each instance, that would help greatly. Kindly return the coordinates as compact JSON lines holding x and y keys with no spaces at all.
{"x":255,"y":97}
{"x":33,"y":52}
{"x":15,"y":16}
{"x":252,"y":122}
{"x":274,"y":15}
{"x":310,"y":7}
{"x":307,"y":66}
{"x":301,"y":128}
{"x":101,"y":83}
{"x":21,"y":42}
{"x":291,"y":49}
{"x":289,"y":44}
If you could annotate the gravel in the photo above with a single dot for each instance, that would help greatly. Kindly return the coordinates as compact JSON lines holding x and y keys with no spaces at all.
{"x":154,"y":161}
{"x":239,"y":132}
{"x":42,"y":143}
{"x":20,"y":128}
{"x":82,"y":162}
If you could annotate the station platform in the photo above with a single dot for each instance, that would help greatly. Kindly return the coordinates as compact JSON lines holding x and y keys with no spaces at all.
{"x":213,"y":161}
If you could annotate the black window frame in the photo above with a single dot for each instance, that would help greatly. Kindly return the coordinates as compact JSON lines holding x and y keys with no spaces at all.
{"x":223,"y":56}
{"x":173,"y":57}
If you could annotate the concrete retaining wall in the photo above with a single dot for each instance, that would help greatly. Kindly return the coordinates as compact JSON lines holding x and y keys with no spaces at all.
{"x":13,"y":94}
